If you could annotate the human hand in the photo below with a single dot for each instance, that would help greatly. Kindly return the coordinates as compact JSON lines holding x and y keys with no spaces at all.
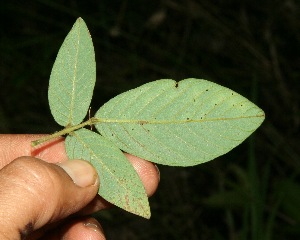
{"x":38,"y":199}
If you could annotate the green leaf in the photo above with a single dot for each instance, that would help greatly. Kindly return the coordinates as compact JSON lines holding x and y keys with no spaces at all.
{"x":178,"y":123}
{"x":73,"y":77}
{"x":119,"y":182}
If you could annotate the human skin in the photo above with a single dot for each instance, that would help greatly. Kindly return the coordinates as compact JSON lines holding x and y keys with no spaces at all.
{"x":44,"y":195}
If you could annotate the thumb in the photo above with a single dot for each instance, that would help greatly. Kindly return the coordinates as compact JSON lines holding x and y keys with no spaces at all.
{"x":34,"y":193}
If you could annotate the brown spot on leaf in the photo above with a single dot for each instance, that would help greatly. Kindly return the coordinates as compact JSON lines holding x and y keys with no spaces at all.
{"x":142,"y":122}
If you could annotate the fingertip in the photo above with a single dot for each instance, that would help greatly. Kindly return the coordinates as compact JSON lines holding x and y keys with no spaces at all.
{"x":88,"y":228}
{"x":148,"y":172}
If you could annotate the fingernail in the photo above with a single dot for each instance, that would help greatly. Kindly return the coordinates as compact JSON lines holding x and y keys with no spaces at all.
{"x":93,"y":225}
{"x":82,"y":172}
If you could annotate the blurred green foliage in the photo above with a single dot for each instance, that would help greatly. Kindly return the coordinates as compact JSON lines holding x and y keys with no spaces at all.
{"x":249,"y":46}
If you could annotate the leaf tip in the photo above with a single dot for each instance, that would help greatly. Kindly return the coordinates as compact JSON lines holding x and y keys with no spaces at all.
{"x":261,"y":114}
{"x":148,"y":215}
{"x":79,"y":20}
{"x":145,"y":214}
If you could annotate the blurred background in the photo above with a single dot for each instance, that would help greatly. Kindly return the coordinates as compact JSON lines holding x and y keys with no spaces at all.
{"x":252,"y":47}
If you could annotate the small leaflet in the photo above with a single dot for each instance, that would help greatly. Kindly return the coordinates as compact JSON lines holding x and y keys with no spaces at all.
{"x":73,"y":77}
{"x":119,"y":182}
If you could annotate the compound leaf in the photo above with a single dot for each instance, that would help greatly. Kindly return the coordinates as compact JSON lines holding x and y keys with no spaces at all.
{"x":119,"y":182}
{"x":178,"y":123}
{"x":73,"y":77}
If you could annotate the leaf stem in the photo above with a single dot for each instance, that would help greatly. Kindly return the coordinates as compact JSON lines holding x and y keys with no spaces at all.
{"x":66,"y":130}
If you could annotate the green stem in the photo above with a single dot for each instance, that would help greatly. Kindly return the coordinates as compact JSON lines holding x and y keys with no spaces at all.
{"x":64,"y":131}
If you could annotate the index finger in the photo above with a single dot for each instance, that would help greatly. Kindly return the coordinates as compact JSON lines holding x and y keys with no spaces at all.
{"x":16,"y":145}
{"x":13,"y":146}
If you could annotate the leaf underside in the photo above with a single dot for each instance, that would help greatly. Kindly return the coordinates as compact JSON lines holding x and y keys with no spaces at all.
{"x":178,"y":123}
{"x":119,"y":182}
{"x":73,"y":77}
{"x":167,"y":122}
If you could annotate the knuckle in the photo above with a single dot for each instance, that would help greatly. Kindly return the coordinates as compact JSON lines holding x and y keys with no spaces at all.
{"x":34,"y":175}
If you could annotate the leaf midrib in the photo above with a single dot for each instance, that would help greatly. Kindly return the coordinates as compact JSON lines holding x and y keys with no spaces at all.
{"x":180,"y":121}
{"x":75,"y":75}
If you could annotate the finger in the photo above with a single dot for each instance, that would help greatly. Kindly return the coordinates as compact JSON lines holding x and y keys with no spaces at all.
{"x":17,"y":145}
{"x":87,"y":229}
{"x":78,"y":229}
{"x":36,"y":193}
{"x":148,"y":172}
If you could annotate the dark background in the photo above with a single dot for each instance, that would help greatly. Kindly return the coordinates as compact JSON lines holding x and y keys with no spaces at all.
{"x":249,"y":46}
